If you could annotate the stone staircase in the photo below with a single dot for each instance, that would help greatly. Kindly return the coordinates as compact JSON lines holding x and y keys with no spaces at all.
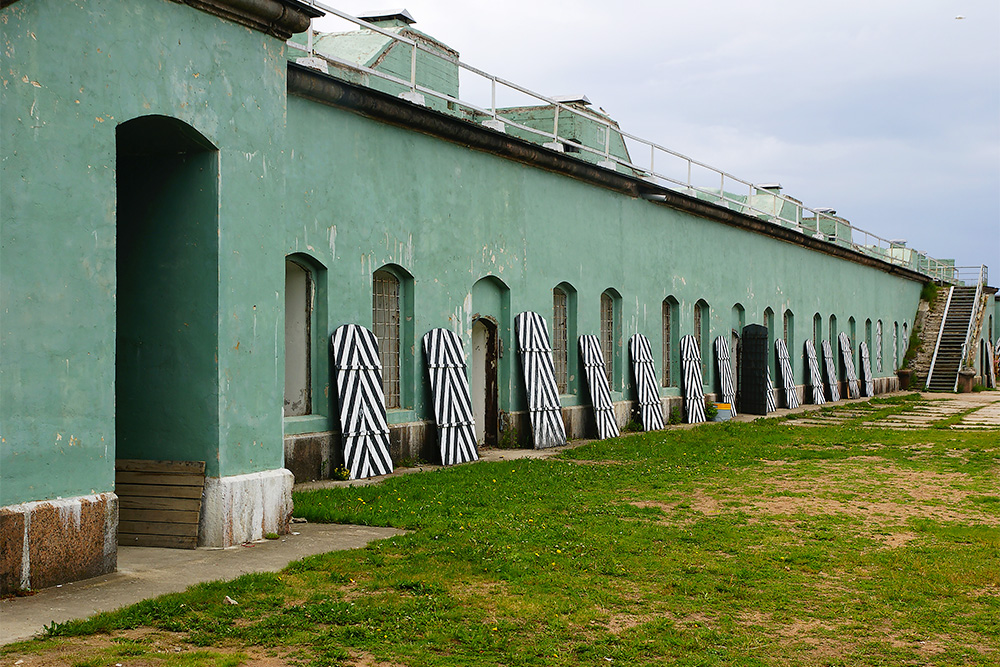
{"x":927,"y":325}
{"x":954,"y":329}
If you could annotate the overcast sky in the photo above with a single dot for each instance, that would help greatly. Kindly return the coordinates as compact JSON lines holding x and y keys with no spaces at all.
{"x":887,"y":111}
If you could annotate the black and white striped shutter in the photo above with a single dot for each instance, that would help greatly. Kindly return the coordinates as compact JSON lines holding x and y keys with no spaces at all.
{"x":363,"y":426}
{"x":866,"y":369}
{"x":650,"y":408}
{"x":771,"y":403}
{"x":832,"y":381}
{"x":450,"y":391}
{"x":547,"y":426}
{"x":597,"y":382}
{"x":847,"y":355}
{"x":722,"y":359}
{"x":694,"y":392}
{"x":815,"y":377}
{"x":878,"y":347}
{"x":787,"y":379}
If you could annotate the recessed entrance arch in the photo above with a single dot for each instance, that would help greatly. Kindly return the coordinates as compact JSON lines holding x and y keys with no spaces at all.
{"x":483,"y":384}
{"x":167,"y":304}
{"x":489,"y":380}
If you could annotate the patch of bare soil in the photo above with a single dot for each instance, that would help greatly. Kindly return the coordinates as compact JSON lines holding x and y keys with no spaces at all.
{"x":619,"y":623}
{"x":158,"y":644}
{"x":368,"y":660}
{"x":896,"y":496}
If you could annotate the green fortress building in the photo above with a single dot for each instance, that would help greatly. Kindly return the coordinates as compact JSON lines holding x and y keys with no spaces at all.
{"x":196,"y":193}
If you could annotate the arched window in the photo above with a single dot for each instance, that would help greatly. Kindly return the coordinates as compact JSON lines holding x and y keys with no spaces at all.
{"x":868,"y":339}
{"x":852,"y":335}
{"x":904,"y":344}
{"x":895,"y":345}
{"x":769,"y":323}
{"x":818,"y":333}
{"x":299,"y":297}
{"x":788,"y":335}
{"x":739,"y":321}
{"x":392,"y":324}
{"x":610,"y":333}
{"x":563,"y":331}
{"x":878,"y":346}
{"x":701,"y":333}
{"x":671,"y":376}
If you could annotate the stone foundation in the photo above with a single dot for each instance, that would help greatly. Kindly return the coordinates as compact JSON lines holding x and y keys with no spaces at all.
{"x":312,"y":456}
{"x":243,"y":508}
{"x":51,"y":542}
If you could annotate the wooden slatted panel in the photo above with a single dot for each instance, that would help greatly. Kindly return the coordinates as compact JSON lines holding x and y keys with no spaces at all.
{"x":159,"y":502}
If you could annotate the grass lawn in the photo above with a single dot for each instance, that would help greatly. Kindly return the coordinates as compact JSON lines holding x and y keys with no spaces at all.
{"x":728,"y":544}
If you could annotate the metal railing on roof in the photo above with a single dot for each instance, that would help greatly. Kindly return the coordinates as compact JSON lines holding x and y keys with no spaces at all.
{"x":725,"y":188}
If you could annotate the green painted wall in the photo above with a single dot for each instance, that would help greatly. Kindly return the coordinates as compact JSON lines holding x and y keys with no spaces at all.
{"x":74,"y":71}
{"x":351,"y":194}
{"x":376,"y":194}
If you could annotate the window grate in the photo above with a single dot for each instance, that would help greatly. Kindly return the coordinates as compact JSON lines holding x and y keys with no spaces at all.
{"x":878,"y":346}
{"x":560,"y":339}
{"x":385,"y":318}
{"x":607,"y":333}
{"x":668,"y":344}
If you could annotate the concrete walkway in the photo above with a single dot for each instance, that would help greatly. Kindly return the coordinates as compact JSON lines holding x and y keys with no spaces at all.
{"x":145,"y":572}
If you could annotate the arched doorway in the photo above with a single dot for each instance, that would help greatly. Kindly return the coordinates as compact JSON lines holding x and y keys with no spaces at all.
{"x":489,"y":371}
{"x":167,"y":319}
{"x":484,"y":381}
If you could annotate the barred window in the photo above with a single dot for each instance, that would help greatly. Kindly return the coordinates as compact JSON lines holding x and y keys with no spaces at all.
{"x":607,"y":332}
{"x":385,"y":320}
{"x":668,"y":343}
{"x":788,"y":333}
{"x":878,"y":346}
{"x":895,"y":345}
{"x":560,"y":339}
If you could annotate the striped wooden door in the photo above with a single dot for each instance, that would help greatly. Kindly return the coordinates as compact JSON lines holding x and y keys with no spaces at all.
{"x":694,"y":392}
{"x":724,"y":362}
{"x":866,"y":369}
{"x":363,"y":426}
{"x":832,"y":382}
{"x":815,"y":377}
{"x":450,"y":391}
{"x":847,"y":355}
{"x":545,"y":413}
{"x":787,"y":378}
{"x":597,"y":382}
{"x":650,"y":408}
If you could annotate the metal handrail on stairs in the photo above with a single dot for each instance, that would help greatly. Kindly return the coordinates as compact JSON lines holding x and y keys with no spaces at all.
{"x":937,"y":345}
{"x":974,"y":315}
